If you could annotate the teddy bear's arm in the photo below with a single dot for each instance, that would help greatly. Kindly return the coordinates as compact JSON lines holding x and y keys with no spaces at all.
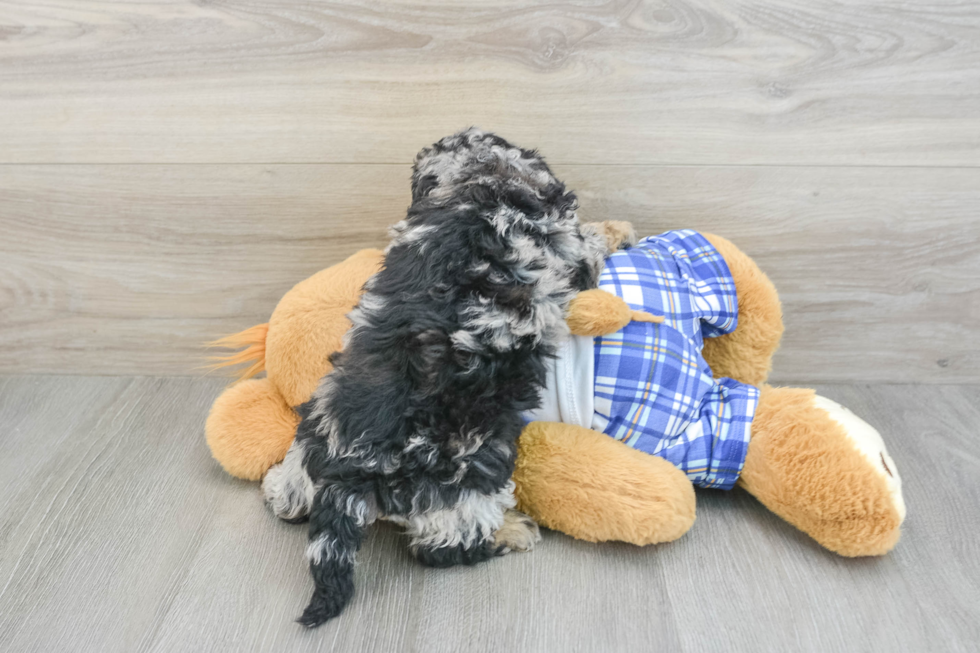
{"x":746,"y":353}
{"x":619,"y":234}
{"x":597,"y":313}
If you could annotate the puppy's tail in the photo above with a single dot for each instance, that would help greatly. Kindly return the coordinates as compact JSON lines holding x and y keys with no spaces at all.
{"x":336,"y":531}
{"x":250,"y":342}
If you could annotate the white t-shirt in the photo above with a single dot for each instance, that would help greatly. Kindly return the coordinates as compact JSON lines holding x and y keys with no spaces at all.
{"x":569,"y":392}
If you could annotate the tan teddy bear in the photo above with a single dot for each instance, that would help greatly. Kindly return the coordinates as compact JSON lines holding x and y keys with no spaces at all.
{"x":809,"y":460}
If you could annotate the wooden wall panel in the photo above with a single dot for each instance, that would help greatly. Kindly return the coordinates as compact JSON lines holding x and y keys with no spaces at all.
{"x":114,"y":269}
{"x":677,"y":82}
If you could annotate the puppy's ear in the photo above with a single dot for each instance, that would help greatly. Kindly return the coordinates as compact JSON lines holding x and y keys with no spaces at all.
{"x":422,"y":186}
{"x":525,"y":201}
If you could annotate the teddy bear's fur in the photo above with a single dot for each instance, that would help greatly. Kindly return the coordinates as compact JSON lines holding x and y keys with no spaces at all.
{"x":251,"y":426}
{"x":802,"y":463}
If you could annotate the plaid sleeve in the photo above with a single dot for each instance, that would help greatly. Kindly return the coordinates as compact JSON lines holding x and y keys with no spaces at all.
{"x":711,"y":285}
{"x":653,"y":389}
{"x":679,"y":275}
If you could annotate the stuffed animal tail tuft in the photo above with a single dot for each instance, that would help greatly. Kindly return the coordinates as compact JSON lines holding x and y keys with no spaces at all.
{"x":250,"y":342}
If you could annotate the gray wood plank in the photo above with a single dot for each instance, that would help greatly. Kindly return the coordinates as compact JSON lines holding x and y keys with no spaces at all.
{"x":109,"y":522}
{"x":120,"y":534}
{"x":127,"y":270}
{"x":689,"y":81}
{"x":940,"y":449}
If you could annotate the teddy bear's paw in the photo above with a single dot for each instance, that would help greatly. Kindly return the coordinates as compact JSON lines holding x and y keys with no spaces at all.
{"x":869,"y":443}
{"x":288,"y":489}
{"x":519,"y":533}
{"x":619,"y":234}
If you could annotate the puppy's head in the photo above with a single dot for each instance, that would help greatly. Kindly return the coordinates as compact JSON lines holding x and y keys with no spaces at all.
{"x":476,"y":167}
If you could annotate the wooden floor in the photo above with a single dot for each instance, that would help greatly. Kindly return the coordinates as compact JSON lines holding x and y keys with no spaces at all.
{"x":119,"y":533}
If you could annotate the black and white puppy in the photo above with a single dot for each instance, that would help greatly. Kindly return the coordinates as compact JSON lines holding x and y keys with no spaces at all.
{"x":418,"y":421}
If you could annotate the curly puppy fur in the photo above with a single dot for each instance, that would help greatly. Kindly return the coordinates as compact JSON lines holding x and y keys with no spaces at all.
{"x":418,"y":421}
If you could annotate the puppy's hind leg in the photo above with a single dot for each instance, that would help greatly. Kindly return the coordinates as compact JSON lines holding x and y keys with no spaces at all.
{"x":477,"y":528}
{"x":288,"y":489}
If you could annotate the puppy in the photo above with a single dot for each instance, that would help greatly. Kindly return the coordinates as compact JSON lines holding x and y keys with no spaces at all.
{"x":418,"y":421}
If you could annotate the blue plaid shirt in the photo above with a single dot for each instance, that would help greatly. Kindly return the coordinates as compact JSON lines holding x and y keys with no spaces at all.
{"x":653,"y":389}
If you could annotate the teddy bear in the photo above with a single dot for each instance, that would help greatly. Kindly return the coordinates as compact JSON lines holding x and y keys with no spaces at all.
{"x":659,"y":388}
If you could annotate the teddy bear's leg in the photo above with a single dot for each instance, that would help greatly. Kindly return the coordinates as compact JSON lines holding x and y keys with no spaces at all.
{"x":249,"y":428}
{"x":746,"y":353}
{"x":824,"y":470}
{"x":592,"y":487}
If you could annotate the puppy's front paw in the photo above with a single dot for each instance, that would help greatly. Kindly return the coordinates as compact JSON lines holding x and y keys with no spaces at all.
{"x":519,"y":533}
